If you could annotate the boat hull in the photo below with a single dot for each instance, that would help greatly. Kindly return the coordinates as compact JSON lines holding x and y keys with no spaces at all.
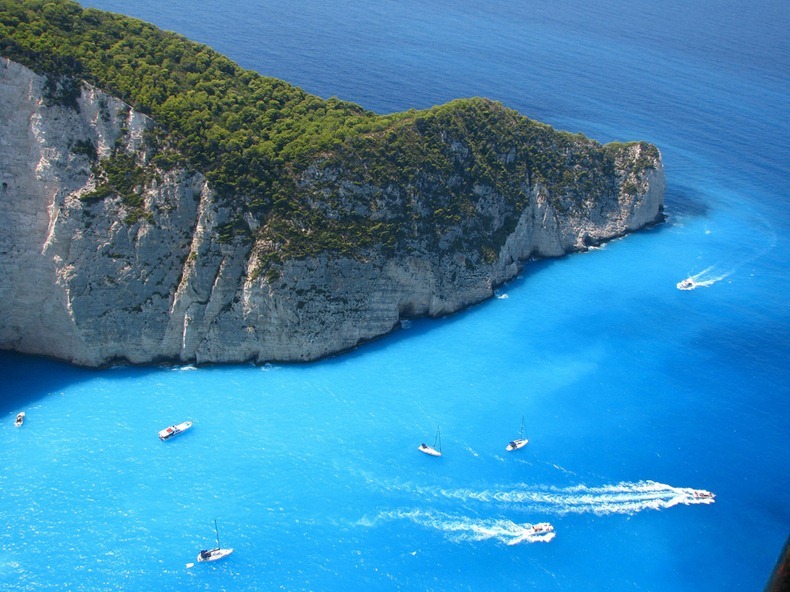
{"x":516,"y":444}
{"x":213,"y":555}
{"x":430,"y":451}
{"x":174,"y":430}
{"x":20,"y":419}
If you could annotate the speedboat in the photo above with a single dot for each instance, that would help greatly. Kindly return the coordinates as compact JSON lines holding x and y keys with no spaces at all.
{"x":701,"y":494}
{"x":174,"y":430}
{"x":687,"y":284}
{"x":542,"y":528}
{"x":20,"y":419}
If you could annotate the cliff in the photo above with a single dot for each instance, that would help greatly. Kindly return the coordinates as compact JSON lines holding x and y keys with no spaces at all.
{"x":153,"y":274}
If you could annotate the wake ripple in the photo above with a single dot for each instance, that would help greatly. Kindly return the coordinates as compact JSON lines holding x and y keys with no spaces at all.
{"x":622,"y":498}
{"x":704,"y":279}
{"x":464,"y":529}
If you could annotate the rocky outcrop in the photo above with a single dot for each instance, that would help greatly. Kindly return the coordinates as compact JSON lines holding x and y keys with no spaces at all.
{"x":82,"y":280}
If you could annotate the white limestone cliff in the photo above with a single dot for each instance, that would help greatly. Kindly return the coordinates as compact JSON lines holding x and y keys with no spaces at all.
{"x":80,"y":283}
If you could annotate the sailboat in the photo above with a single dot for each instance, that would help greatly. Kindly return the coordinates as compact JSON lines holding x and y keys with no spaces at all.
{"x":519,"y":442}
{"x":216,"y":553}
{"x":436,"y":449}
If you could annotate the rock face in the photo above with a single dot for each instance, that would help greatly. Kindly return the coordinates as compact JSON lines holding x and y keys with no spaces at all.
{"x":81,"y":281}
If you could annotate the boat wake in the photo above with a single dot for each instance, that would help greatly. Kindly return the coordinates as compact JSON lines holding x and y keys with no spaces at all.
{"x":622,"y":498}
{"x":704,"y":279}
{"x":463,"y":529}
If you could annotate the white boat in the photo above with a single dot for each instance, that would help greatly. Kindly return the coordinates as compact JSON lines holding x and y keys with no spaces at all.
{"x":174,"y":430}
{"x":701,"y":494}
{"x":216,"y":553}
{"x":20,"y":419}
{"x":687,"y":284}
{"x":519,"y":442}
{"x":542,"y":528}
{"x":436,"y":449}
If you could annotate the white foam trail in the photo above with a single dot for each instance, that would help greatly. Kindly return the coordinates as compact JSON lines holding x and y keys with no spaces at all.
{"x":462,"y":528}
{"x":622,"y":498}
{"x":704,"y":279}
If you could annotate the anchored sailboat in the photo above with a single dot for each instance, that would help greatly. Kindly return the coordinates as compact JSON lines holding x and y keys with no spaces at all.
{"x":436,"y":449}
{"x":519,"y":442}
{"x":216,"y":553}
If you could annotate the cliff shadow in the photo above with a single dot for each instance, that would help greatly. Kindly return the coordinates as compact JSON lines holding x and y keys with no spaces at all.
{"x":682,"y":201}
{"x":24,"y":379}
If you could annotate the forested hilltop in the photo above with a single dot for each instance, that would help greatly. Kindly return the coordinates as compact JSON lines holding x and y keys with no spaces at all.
{"x":253,"y":136}
{"x":303,"y":196}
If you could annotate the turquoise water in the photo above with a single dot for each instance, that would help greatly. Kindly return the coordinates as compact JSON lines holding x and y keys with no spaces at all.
{"x":635,"y":394}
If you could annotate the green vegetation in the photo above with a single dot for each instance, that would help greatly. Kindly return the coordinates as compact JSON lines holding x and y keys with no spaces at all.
{"x":318,"y":175}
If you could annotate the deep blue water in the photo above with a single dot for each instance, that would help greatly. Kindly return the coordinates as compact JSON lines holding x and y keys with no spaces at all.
{"x":634,"y":393}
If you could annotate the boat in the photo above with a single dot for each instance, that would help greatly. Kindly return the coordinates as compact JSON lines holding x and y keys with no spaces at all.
{"x":701,"y":494}
{"x":20,"y":419}
{"x":543,"y":532}
{"x":687,"y":284}
{"x":542,"y":528}
{"x":519,"y":442}
{"x":216,"y":553}
{"x":436,"y":449}
{"x":174,"y":430}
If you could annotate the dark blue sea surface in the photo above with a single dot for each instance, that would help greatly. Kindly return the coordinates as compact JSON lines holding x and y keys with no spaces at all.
{"x":637,"y":396}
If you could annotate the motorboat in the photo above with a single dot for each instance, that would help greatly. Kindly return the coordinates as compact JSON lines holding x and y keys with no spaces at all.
{"x":20,"y":419}
{"x":436,"y":449}
{"x":701,"y":494}
{"x":687,"y":284}
{"x":543,"y":532}
{"x":542,"y":528}
{"x":174,"y":430}
{"x":216,"y":553}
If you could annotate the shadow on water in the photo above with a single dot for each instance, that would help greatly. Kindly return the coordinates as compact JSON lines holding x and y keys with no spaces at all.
{"x":27,"y":378}
{"x":680,"y":201}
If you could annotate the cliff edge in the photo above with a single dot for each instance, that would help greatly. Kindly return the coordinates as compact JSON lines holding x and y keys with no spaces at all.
{"x":163,"y":204}
{"x":154,"y":276}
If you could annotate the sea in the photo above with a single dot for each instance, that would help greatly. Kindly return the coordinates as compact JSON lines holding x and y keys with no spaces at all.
{"x":637,"y":397}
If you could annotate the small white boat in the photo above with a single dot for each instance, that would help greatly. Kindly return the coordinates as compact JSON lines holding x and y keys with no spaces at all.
{"x":701,"y":494}
{"x":542,"y":528}
{"x":541,"y":532}
{"x":519,"y":442}
{"x":213,"y":554}
{"x":687,"y":284}
{"x":20,"y":419}
{"x":436,"y":449}
{"x":174,"y":430}
{"x":216,"y":553}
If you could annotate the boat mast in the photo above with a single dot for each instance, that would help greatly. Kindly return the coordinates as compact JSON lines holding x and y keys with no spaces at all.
{"x":438,"y":439}
{"x":522,"y":427}
{"x":216,"y":531}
